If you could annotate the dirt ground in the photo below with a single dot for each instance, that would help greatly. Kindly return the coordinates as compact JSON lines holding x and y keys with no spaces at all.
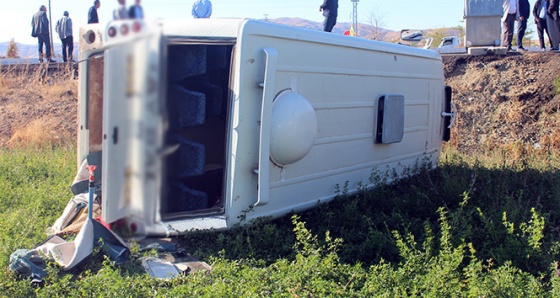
{"x":36,"y":109}
{"x":501,"y":101}
{"x":504,"y":100}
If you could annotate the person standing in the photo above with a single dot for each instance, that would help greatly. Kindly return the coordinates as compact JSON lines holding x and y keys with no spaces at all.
{"x":201,"y":9}
{"x":330,"y":12}
{"x":64,"y":30}
{"x":40,"y":29}
{"x":511,"y":13}
{"x":135,"y":11}
{"x":553,"y":23}
{"x":539,"y":13}
{"x":120,"y":13}
{"x":92,"y":13}
{"x":524,"y":11}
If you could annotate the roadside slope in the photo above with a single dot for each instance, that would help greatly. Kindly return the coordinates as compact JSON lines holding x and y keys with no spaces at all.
{"x":501,"y":101}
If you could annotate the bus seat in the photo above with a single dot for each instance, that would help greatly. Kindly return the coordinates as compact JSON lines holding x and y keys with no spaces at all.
{"x":186,"y":107}
{"x":187,"y":61}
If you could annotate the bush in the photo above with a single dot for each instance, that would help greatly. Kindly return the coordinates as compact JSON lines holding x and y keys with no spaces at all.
{"x":12,"y":51}
{"x":557,"y":85}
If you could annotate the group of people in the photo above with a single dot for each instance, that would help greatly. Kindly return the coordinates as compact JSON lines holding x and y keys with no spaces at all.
{"x":40,"y":30}
{"x":545,"y":12}
{"x":546,"y":17}
{"x":40,"y":24}
{"x":133,"y":12}
{"x":119,"y":13}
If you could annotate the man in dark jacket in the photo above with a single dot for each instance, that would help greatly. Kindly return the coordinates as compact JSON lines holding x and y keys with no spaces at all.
{"x":524,"y":12}
{"x":40,"y":29}
{"x":539,"y":13}
{"x":553,"y":23}
{"x":330,"y":12}
{"x":135,"y":11}
{"x":92,"y":13}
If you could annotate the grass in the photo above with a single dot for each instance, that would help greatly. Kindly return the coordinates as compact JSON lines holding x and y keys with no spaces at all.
{"x":486,"y":226}
{"x":477,"y":226}
{"x":34,"y":186}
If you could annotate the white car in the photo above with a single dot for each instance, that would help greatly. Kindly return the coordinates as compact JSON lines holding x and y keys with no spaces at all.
{"x":449,"y":41}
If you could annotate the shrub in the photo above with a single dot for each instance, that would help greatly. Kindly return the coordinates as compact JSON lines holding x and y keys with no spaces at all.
{"x":557,"y":85}
{"x":12,"y":50}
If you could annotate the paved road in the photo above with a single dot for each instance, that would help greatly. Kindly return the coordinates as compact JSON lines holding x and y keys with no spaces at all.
{"x":464,"y":50}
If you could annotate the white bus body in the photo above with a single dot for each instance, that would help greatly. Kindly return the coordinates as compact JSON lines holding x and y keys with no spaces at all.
{"x":203,"y":124}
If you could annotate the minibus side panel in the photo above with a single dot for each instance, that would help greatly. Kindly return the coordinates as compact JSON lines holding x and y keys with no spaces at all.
{"x":342,"y":78}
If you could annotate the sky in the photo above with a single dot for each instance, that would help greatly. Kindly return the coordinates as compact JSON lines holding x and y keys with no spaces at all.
{"x":15,"y":18}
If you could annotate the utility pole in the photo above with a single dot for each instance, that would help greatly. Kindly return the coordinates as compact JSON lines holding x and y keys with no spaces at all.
{"x":50,"y":31}
{"x":355,"y":16}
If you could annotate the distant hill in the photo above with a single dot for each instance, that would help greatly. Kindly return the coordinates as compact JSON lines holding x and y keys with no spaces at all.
{"x":364,"y":30}
{"x":368,"y":31}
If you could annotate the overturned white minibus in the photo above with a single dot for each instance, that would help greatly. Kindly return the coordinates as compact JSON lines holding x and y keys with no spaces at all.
{"x":206,"y":123}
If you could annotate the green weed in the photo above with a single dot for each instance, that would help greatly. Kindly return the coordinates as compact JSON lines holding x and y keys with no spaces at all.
{"x":557,"y":85}
{"x":472,"y":227}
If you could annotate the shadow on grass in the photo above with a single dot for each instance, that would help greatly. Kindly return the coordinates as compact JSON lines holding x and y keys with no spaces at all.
{"x":492,"y":208}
